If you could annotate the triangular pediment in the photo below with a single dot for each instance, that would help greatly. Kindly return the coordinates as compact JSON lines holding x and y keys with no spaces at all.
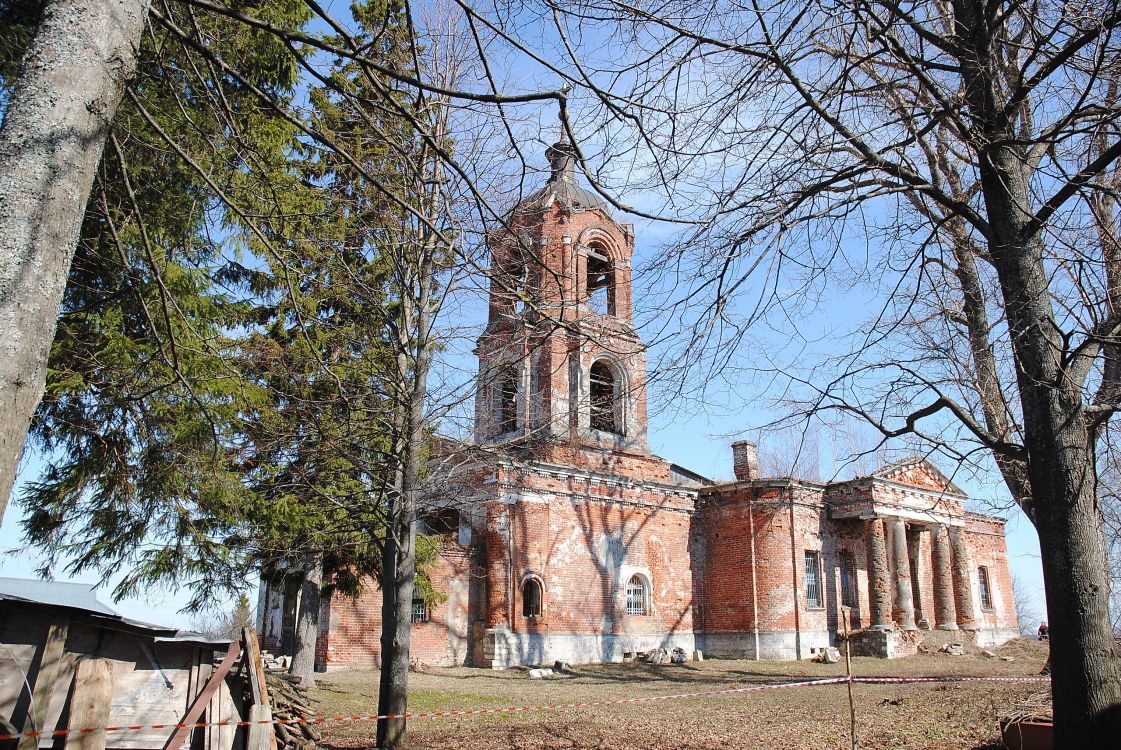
{"x":916,"y":471}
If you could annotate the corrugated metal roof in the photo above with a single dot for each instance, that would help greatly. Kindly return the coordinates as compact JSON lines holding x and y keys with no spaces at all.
{"x":58,"y":593}
{"x":83,"y":596}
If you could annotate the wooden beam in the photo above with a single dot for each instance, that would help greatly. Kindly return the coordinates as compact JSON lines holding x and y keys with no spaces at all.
{"x":90,"y":704}
{"x":199,"y":704}
{"x":46,"y":674}
{"x":260,"y":735}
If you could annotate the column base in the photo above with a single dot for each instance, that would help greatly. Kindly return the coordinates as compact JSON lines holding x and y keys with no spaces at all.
{"x":881,"y":627}
{"x":970,"y":627}
{"x":924,"y":624}
{"x":912,"y":626}
{"x":946,"y":626}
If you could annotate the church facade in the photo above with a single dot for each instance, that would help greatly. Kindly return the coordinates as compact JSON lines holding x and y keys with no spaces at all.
{"x":565,"y":538}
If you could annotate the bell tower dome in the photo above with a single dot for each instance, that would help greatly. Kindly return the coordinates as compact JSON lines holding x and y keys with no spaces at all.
{"x":562,"y":370}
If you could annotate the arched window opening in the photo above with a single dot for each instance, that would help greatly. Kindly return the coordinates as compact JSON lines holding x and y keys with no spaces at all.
{"x":532,"y":597}
{"x":507,"y":412}
{"x":604,"y":399}
{"x":638,"y":596}
{"x":600,"y":282}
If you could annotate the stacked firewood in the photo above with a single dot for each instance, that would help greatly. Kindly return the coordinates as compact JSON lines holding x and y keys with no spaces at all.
{"x":290,"y":701}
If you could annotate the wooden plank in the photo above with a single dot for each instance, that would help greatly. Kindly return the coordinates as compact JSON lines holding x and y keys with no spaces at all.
{"x":49,"y":662}
{"x":257,"y":682}
{"x":91,"y":703}
{"x":202,"y":700}
{"x":261,"y":735}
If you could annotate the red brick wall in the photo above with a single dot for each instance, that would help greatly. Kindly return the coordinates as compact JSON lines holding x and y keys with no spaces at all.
{"x":353,"y":634}
{"x":585,"y":549}
{"x":987,"y":544}
{"x":779,"y":559}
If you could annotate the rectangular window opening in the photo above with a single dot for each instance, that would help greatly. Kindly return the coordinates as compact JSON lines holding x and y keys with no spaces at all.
{"x":814,"y":597}
{"x":848,"y":580}
{"x":984,"y":589}
{"x":420,"y":610}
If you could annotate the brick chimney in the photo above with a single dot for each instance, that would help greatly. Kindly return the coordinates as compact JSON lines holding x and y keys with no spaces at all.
{"x":745,"y":460}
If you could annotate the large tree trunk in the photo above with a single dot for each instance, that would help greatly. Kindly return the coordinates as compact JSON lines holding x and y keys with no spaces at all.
{"x":1057,"y":435}
{"x":71,"y":83}
{"x":1060,"y":446}
{"x":307,"y":621}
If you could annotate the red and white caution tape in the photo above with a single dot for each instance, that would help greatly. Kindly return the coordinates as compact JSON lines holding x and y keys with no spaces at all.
{"x":520,"y":709}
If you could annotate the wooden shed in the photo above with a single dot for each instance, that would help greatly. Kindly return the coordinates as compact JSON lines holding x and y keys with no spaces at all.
{"x":68,"y":661}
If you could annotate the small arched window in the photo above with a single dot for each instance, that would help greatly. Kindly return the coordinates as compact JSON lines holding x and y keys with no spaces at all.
{"x":605,"y":401}
{"x":532,"y":597}
{"x":600,"y":282}
{"x":638,"y":596}
{"x":506,"y":416}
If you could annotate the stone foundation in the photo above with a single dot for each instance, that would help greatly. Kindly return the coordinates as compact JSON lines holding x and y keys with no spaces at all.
{"x":772,"y":646}
{"x":503,"y":648}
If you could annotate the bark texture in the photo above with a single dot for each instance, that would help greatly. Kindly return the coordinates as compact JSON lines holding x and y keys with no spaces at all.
{"x":307,"y":621}
{"x":68,"y":90}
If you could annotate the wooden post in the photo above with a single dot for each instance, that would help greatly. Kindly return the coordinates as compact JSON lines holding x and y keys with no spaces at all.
{"x":90,"y":704}
{"x":45,"y":677}
{"x":846,"y":612}
{"x":261,"y":736}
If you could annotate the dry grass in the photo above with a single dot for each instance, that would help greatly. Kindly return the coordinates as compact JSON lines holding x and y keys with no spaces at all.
{"x":927,"y":716}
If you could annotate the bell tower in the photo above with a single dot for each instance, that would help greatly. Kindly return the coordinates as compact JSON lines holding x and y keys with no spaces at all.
{"x":562,"y":370}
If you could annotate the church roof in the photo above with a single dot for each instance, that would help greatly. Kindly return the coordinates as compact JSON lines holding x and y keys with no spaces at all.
{"x":562,"y":186}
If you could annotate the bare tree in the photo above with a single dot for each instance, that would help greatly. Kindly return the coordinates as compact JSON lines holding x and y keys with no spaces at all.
{"x":951,"y":156}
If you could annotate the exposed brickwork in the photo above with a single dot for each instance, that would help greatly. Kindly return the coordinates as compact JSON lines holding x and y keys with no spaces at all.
{"x":879,"y":583}
{"x":351,"y":631}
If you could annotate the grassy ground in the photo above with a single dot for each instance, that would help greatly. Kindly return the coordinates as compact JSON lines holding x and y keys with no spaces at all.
{"x":927,"y":716}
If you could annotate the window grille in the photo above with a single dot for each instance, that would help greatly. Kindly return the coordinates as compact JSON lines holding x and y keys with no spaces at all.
{"x":531,"y":598}
{"x":848,"y":580}
{"x":638,"y":597}
{"x":983,"y":588}
{"x":813,"y":580}
{"x":420,"y":611}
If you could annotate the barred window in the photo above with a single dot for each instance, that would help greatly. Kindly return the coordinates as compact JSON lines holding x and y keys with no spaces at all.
{"x":638,"y":596}
{"x":420,"y":610}
{"x":848,"y":580}
{"x":531,"y":598}
{"x":813,"y":580}
{"x":983,"y":588}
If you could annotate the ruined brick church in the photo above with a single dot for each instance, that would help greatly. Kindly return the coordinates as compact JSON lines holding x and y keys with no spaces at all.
{"x":565,"y":538}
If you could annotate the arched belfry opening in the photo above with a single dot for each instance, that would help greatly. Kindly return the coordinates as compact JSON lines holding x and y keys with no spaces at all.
{"x":606,"y":388}
{"x":600,"y":281}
